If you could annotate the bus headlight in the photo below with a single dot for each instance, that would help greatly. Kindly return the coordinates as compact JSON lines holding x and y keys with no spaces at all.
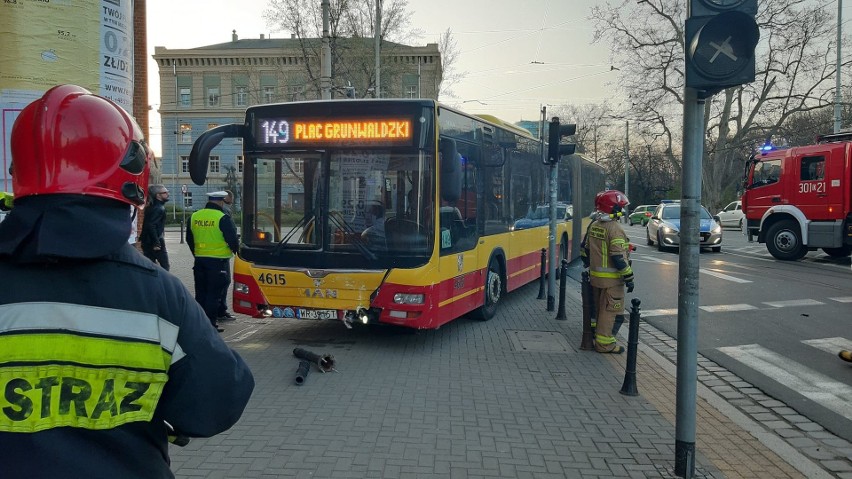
{"x":408,"y":298}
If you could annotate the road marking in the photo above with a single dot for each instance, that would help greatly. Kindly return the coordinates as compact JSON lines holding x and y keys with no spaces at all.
{"x":727,"y":307}
{"x":815,"y":386}
{"x":830,"y":345}
{"x":723,"y":276}
{"x":793,"y":302}
{"x":652,"y":259}
{"x":843,"y":299}
{"x":659,"y":312}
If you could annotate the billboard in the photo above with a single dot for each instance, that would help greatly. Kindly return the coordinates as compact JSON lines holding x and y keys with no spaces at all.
{"x":51,"y":42}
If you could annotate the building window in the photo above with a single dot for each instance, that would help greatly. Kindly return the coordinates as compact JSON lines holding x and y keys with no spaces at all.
{"x":213,"y":96}
{"x":270,"y":200}
{"x":185,"y":97}
{"x":184,"y":164}
{"x":187,"y":199}
{"x":240,"y":163}
{"x":242,"y":96}
{"x":210,"y":126}
{"x":269,"y":94}
{"x":185,"y":133}
{"x":411,"y":91}
{"x":214,"y":164}
{"x":294,"y":92}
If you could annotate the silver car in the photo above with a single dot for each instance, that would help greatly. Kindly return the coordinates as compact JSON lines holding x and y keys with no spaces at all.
{"x":663,"y":229}
{"x":732,"y":215}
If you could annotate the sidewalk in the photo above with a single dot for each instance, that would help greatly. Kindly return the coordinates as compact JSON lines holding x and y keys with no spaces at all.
{"x":512,"y":397}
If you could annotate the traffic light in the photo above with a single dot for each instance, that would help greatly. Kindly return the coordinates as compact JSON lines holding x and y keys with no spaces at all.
{"x":554,"y":137}
{"x":720,"y":37}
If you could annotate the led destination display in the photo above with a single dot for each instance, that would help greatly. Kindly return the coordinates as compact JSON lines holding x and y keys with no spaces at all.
{"x":316,"y":133}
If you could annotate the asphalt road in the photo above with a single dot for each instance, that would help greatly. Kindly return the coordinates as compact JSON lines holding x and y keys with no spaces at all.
{"x":776,"y":324}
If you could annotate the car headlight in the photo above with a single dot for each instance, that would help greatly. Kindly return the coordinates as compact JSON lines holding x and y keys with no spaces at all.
{"x":716,"y":229}
{"x":669,"y":230}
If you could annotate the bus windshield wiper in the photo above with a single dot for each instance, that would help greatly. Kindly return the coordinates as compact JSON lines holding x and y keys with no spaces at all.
{"x":341,"y":223}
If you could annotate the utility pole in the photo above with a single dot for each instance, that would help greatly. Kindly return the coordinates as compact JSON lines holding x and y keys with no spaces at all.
{"x":627,"y":165}
{"x":325,"y":65}
{"x":838,"y":96}
{"x":378,"y":28}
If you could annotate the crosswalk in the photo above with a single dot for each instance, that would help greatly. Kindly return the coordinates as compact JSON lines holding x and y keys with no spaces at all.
{"x":727,"y":308}
{"x":819,"y":388}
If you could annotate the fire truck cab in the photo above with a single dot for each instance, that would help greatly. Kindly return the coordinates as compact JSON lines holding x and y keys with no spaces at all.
{"x":800,"y":199}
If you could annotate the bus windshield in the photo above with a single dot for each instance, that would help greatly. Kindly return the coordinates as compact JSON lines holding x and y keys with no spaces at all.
{"x":369,"y":202}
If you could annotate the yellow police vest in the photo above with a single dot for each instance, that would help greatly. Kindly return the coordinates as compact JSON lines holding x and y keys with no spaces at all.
{"x":209,"y":241}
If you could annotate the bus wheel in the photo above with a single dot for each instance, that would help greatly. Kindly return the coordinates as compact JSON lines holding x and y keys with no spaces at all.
{"x":563,"y":250}
{"x":493,"y":292}
{"x":784,"y":241}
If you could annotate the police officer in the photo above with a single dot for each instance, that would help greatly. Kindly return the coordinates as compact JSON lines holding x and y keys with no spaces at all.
{"x":222,"y":313}
{"x":605,"y":251}
{"x":153,"y":227}
{"x":212,"y":238}
{"x":101,"y":349}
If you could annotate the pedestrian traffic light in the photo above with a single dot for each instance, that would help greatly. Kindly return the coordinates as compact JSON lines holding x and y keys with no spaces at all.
{"x":720,"y":38}
{"x":554,"y":137}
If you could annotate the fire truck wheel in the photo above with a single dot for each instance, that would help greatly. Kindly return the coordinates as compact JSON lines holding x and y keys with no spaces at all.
{"x":784,"y":241}
{"x":840,"y":252}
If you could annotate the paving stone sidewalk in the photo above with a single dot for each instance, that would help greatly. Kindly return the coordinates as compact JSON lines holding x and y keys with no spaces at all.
{"x":512,"y":397}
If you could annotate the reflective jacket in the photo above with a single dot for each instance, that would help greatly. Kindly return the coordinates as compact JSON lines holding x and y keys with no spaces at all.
{"x":96,"y":352}
{"x":211,"y":233}
{"x":607,"y":248}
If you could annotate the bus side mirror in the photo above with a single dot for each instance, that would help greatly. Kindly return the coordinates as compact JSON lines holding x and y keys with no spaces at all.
{"x":451,"y":171}
{"x":199,"y":157}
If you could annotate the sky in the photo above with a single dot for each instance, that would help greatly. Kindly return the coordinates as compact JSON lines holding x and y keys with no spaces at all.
{"x":517,"y":56}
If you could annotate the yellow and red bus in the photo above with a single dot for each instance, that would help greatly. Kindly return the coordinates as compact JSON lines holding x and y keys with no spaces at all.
{"x":403,"y":212}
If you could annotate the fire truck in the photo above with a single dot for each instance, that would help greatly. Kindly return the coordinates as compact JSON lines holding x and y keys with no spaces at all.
{"x":800,"y":199}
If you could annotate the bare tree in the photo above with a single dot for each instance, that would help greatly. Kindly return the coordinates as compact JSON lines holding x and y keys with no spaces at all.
{"x":352,"y":32}
{"x":795,"y":72}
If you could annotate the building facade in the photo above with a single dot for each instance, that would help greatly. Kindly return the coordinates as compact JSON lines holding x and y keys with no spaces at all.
{"x":208,"y":86}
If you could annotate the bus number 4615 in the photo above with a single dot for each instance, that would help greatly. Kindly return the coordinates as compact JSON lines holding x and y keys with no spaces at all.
{"x":272,"y":279}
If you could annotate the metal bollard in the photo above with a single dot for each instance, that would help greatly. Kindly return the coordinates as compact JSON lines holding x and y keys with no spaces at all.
{"x":563,"y":275}
{"x":629,"y":386}
{"x":543,"y":274}
{"x":588,"y":342}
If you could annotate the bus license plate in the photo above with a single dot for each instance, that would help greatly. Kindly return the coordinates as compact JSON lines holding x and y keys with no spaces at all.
{"x":317,"y":314}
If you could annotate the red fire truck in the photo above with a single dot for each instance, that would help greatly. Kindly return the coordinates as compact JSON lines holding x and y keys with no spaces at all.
{"x":799,"y":199}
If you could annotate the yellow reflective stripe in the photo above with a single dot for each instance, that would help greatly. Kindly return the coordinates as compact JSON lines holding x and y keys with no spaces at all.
{"x":35,"y":398}
{"x":63,"y":347}
{"x":602,"y":274}
{"x":620,"y":242}
{"x":88,"y":320}
{"x":600,"y":339}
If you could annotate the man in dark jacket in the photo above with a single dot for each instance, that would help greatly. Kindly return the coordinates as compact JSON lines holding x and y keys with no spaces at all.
{"x":99,"y":349}
{"x":154,"y":226}
{"x":212,"y":238}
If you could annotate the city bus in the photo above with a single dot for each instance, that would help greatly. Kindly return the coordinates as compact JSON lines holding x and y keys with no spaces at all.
{"x":401,"y":212}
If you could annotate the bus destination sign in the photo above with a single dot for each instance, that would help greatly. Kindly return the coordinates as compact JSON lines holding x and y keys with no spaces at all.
{"x":289,"y":132}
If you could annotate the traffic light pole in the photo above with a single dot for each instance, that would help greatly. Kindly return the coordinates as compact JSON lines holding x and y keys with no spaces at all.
{"x":551,"y":246}
{"x":687,"y":307}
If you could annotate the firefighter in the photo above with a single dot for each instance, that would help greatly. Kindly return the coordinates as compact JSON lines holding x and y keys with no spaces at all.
{"x":102,"y":351}
{"x":605,"y":251}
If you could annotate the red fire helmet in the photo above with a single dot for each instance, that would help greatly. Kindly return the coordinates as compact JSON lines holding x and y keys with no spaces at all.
{"x":71,"y":141}
{"x":611,"y":201}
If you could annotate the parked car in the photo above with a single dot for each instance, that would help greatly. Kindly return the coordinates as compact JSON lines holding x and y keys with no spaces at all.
{"x":732,"y":215}
{"x":664,"y":228}
{"x":641,"y":215}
